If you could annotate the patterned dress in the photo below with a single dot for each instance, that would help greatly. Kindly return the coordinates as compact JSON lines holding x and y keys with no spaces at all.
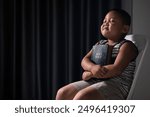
{"x":116,"y":87}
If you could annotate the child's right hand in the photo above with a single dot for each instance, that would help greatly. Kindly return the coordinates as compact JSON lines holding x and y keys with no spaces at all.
{"x":98,"y":71}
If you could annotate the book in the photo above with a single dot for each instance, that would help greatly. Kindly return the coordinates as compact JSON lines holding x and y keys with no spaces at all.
{"x":100,"y":54}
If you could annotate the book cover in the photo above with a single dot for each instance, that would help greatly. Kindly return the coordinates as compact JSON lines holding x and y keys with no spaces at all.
{"x":100,"y":54}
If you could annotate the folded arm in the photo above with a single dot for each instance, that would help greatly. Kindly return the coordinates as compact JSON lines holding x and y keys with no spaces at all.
{"x":95,"y":70}
{"x":126,"y":54}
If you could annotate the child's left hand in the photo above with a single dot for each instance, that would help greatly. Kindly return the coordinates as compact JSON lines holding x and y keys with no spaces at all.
{"x":86,"y":75}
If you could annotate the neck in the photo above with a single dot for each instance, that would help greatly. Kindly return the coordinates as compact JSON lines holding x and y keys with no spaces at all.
{"x":113,"y":41}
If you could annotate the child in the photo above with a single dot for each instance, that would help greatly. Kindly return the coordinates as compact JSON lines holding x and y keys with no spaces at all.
{"x":112,"y":80}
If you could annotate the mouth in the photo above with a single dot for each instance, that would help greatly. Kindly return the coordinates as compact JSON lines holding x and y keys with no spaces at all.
{"x":105,"y":28}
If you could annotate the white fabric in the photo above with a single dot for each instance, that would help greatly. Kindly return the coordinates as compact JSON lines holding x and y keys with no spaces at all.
{"x":140,"y":42}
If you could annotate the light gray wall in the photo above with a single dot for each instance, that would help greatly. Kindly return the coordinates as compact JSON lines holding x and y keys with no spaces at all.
{"x":141,"y":25}
{"x":141,"y":17}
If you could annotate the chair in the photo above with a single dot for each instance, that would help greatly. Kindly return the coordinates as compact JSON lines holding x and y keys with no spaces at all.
{"x":141,"y":82}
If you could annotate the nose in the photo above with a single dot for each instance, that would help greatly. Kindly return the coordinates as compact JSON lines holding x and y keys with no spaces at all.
{"x":106,"y":23}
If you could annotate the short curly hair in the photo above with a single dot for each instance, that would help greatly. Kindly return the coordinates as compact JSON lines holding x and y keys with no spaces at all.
{"x":126,"y":18}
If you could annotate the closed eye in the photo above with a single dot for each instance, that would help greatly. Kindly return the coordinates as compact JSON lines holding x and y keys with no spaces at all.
{"x":112,"y":20}
{"x":104,"y":21}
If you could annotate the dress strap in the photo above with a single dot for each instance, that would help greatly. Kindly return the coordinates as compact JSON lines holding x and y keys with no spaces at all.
{"x":123,"y":41}
{"x":102,"y":42}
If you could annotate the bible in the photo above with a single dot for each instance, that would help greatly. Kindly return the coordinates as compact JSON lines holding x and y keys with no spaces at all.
{"x":100,"y":54}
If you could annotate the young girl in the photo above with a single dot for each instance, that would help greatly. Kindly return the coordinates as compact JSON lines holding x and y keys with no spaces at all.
{"x":109,"y":81}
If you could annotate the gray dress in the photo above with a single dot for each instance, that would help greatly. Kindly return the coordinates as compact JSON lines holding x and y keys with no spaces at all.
{"x":112,"y":88}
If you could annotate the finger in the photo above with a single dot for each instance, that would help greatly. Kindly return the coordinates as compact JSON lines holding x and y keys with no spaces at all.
{"x":100,"y":75}
{"x":104,"y":69}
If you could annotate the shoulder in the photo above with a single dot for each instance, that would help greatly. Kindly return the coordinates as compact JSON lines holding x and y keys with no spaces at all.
{"x":126,"y":44}
{"x":128,"y":47}
{"x":124,"y":41}
{"x":101,"y":42}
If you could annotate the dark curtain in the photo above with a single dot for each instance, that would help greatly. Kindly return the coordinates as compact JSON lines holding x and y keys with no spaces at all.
{"x":42,"y":43}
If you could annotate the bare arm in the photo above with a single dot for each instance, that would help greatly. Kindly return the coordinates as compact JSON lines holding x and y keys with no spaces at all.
{"x":127,"y":53}
{"x":96,"y":70}
{"x":86,"y":63}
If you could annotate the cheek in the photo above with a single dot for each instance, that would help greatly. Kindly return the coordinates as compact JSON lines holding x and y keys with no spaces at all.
{"x":100,"y":28}
{"x":115,"y":28}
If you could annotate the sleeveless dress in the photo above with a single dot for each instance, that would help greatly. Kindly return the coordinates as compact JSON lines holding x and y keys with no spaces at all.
{"x":116,"y":87}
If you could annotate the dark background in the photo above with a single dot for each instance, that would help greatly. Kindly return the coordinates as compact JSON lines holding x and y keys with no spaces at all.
{"x":42,"y":43}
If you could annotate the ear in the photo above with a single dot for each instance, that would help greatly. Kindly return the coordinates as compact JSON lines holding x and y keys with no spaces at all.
{"x":125,"y":29}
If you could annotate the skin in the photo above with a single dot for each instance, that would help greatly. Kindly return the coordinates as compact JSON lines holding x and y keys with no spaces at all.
{"x":112,"y":28}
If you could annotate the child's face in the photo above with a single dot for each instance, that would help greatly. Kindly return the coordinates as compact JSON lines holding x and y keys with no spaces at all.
{"x":113,"y":26}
